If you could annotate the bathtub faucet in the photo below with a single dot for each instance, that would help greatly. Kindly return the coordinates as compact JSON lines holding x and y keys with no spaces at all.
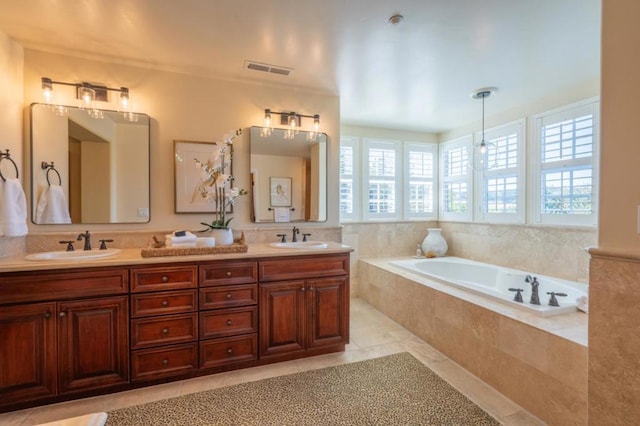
{"x":535,"y":299}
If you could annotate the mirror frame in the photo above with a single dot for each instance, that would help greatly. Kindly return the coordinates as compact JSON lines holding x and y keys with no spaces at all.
{"x":280,"y":216}
{"x":39,"y":168}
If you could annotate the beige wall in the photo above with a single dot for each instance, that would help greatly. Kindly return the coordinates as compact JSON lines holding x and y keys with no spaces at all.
{"x":187,"y":107}
{"x":11,"y":60}
{"x":620,"y":174}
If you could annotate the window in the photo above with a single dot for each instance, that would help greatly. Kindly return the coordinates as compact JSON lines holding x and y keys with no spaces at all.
{"x":349,"y":178}
{"x":420,"y":180}
{"x":501,"y":174}
{"x":456,"y":179}
{"x":566,"y":147}
{"x":381,"y":166}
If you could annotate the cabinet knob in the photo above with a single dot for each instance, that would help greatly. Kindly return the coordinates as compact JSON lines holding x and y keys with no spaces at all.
{"x":311,"y":288}
{"x":165,"y":330}
{"x":165,"y":278}
{"x":165,"y":303}
{"x":229,"y":350}
{"x":165,"y":362}
{"x":302,"y":289}
{"x":228,"y":295}
{"x":229,"y":322}
{"x":228,"y":273}
{"x":47,"y":315}
{"x":62,"y":314}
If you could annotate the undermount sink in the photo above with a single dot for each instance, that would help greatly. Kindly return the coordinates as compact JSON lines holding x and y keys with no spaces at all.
{"x":301,"y":245}
{"x":74,"y":255}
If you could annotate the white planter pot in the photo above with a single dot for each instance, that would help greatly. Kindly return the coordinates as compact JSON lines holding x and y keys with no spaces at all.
{"x":434,"y":243}
{"x":224,"y":237}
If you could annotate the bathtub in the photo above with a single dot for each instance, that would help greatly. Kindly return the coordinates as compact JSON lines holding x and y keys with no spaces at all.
{"x":494,"y":282}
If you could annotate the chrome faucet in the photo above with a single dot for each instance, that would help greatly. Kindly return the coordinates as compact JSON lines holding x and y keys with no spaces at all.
{"x":535,"y":299}
{"x":87,"y":240}
{"x":294,"y":238}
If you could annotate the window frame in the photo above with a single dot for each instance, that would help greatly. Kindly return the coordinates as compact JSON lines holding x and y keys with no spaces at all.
{"x":567,"y":112}
{"x":519,"y":171}
{"x":429,"y":147}
{"x":396,"y":146}
{"x":465,"y":141}
{"x":352,"y":142}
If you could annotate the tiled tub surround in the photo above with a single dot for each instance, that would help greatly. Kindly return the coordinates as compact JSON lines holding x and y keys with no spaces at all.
{"x":614,"y":345}
{"x":540,"y":363}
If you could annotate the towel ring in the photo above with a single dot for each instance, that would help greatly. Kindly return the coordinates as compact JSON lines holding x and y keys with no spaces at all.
{"x":8,"y":157}
{"x":49,"y":167}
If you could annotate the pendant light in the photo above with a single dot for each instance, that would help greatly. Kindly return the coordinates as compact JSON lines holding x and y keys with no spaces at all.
{"x":482,"y":94}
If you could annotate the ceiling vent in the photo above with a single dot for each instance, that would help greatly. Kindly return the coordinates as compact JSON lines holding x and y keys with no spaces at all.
{"x":272,"y":69}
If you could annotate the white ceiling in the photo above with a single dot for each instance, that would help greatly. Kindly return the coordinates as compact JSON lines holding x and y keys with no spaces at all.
{"x":417,"y":75}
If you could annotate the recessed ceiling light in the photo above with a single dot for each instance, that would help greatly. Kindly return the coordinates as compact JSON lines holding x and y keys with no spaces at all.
{"x":395,"y":19}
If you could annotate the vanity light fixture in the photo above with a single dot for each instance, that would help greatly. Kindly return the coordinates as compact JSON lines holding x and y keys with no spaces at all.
{"x":87,"y":95}
{"x":292,"y":120}
{"x":482,"y":94}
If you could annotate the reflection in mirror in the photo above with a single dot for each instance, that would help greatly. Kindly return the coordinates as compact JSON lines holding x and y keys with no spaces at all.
{"x":288,"y":177}
{"x":103,"y":167}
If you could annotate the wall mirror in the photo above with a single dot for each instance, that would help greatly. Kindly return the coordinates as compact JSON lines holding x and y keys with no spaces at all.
{"x":288,"y":176}
{"x":88,"y":170}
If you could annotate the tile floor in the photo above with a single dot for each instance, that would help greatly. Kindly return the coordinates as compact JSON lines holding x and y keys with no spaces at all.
{"x":372,"y":335}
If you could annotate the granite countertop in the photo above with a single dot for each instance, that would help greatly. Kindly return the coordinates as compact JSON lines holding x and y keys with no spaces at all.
{"x":132,"y":256}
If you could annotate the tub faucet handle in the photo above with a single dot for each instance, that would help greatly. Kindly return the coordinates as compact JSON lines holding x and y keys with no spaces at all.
{"x":552,"y":300}
{"x":518,"y":295}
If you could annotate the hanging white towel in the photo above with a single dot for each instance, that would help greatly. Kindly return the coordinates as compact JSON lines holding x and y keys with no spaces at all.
{"x":282,"y":214}
{"x":52,"y":206}
{"x":13,"y":209}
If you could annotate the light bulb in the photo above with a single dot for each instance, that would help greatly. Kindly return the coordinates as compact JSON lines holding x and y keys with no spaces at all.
{"x":87,"y":95}
{"x":316,"y":122}
{"x":293,"y":120}
{"x":267,"y":117}
{"x":124,"y":99}
{"x":47,"y":89}
{"x":483,"y":147}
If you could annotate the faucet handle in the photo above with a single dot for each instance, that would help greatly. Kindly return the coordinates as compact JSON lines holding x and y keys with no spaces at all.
{"x":69,"y":245}
{"x":552,"y":300}
{"x":304,"y":237}
{"x":518,"y":295}
{"x":103,"y":244}
{"x":283,"y":238}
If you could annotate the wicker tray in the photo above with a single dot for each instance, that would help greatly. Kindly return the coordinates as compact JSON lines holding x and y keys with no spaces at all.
{"x":238,"y":246}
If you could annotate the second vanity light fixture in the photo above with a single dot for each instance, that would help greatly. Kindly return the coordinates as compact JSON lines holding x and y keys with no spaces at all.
{"x":293,"y":121}
{"x":87,"y":95}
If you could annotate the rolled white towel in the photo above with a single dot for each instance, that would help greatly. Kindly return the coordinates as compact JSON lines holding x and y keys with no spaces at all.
{"x":188,"y":237}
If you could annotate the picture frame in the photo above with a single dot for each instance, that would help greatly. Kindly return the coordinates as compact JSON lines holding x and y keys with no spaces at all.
{"x":280,"y":191}
{"x":187,"y":177}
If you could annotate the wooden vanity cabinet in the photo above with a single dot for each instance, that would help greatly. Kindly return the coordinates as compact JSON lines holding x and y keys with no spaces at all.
{"x":58,"y":341}
{"x":304,"y":305}
{"x":164,"y":321}
{"x":228,"y":313}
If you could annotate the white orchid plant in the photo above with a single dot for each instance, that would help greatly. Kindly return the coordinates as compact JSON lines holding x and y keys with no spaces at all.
{"x":215,"y":184}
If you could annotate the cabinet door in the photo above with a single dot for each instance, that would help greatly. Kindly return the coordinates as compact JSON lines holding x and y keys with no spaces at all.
{"x":328,"y":308}
{"x":27,"y":352}
{"x":93,"y":349}
{"x":282,"y":311}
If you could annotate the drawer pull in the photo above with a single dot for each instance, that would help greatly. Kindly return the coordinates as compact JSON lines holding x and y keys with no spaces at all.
{"x":228,"y":295}
{"x":229,"y":350}
{"x":165,"y":303}
{"x":165,"y":362}
{"x":165,"y":278}
{"x":229,"y":322}
{"x":228,"y":273}
{"x":165,"y":330}
{"x":62,"y":314}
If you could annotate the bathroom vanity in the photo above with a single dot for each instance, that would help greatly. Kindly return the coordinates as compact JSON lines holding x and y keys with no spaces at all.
{"x":70,"y":330}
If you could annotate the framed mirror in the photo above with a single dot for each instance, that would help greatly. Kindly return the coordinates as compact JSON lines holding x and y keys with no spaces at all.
{"x":288,"y":176}
{"x":88,"y":170}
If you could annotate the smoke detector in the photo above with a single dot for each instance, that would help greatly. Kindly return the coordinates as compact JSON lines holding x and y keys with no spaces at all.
{"x":395,"y":19}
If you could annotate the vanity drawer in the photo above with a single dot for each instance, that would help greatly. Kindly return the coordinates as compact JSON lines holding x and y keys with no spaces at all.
{"x":160,"y":362}
{"x":226,"y":273}
{"x":228,"y":296}
{"x":62,"y":284}
{"x":299,"y":267}
{"x":228,"y":322}
{"x":163,"y":278}
{"x":164,"y":330}
{"x":217,"y":352}
{"x":163,"y":303}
